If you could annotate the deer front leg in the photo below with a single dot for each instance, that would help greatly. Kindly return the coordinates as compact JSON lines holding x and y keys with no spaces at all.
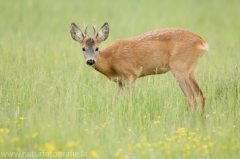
{"x":119,"y":91}
{"x":120,"y":88}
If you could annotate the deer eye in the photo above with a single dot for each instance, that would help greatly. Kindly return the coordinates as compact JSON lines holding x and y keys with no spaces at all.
{"x":83,"y":49}
{"x":96,"y":49}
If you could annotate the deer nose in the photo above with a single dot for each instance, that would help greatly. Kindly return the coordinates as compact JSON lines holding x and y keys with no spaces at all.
{"x":90,"y":62}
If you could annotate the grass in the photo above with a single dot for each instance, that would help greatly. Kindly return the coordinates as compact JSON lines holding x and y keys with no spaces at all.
{"x":52,"y":102}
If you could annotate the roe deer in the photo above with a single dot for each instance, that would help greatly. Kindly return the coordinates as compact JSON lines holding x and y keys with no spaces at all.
{"x":154,"y":52}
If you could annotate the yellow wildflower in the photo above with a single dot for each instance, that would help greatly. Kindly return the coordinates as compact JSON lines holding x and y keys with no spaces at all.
{"x":224,"y":147}
{"x":143,"y":152}
{"x":138,"y":145}
{"x":15,"y":139}
{"x":94,"y":154}
{"x":7,"y":130}
{"x":204,"y":146}
{"x":156,"y":122}
{"x":72,"y":144}
{"x":104,"y":125}
{"x":196,"y":139}
{"x":18,"y":149}
{"x":34,"y":134}
{"x":19,"y":125}
{"x":40,"y":149}
{"x":187,"y":146}
{"x":49,"y":147}
{"x":4,"y":130}
{"x":168,"y":139}
{"x":210,"y":144}
{"x":118,"y":152}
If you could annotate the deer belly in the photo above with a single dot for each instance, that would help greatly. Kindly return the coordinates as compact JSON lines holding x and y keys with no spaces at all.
{"x":152,"y":70}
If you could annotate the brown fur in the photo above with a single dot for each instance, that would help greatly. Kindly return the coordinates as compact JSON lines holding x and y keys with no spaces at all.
{"x":155,"y":52}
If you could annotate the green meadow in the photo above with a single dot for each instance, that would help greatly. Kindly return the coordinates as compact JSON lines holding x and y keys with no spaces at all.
{"x":53,"y":105}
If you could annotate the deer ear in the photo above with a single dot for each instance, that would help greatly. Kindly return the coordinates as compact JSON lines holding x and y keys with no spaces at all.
{"x":76,"y":33}
{"x":102,"y":34}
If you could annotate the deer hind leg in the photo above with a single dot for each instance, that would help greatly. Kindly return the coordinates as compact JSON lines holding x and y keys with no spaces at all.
{"x":185,"y":85}
{"x":197,"y":89}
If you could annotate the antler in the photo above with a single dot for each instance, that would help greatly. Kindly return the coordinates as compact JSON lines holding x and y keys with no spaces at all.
{"x":94,"y":28}
{"x":85,"y":29}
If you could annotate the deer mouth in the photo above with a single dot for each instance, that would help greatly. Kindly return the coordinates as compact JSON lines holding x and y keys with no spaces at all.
{"x":90,"y":62}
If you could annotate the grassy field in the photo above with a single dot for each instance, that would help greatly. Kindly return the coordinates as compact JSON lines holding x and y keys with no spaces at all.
{"x":52,"y":105}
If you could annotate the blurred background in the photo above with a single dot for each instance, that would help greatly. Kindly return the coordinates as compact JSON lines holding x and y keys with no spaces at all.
{"x":51,"y":100}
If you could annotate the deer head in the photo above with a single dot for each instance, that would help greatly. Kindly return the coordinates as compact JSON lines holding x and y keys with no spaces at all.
{"x":90,"y":45}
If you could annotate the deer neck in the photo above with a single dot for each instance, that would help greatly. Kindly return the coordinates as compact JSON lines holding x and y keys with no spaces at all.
{"x":102,"y":64}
